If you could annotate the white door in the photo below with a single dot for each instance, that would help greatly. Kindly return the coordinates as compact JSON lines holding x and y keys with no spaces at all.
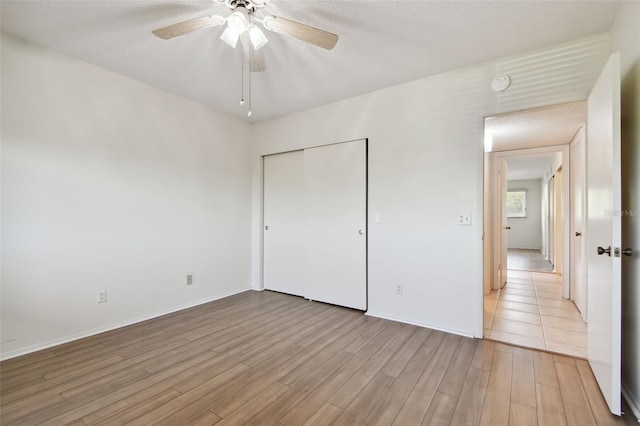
{"x":604,"y":232}
{"x":578,"y":236}
{"x":552,"y":220}
{"x":504,"y":226}
{"x":558,"y":215}
{"x":335,"y":179}
{"x":284,"y":223}
{"x":545,"y":220}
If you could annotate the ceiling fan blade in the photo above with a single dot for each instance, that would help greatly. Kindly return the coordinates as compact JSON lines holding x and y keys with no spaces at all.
{"x":186,"y":27}
{"x":302,"y":32}
{"x":255,"y":56}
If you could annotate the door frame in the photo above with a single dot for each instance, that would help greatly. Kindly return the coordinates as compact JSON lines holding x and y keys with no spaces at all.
{"x":579,"y":272}
{"x":494,"y":207}
{"x":550,"y":213}
{"x":558,"y":205}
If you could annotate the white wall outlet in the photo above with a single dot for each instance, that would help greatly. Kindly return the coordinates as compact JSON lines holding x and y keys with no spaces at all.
{"x":398,"y":288}
{"x":189,"y":279}
{"x":102,"y":296}
{"x":464,"y":219}
{"x":378,"y":217}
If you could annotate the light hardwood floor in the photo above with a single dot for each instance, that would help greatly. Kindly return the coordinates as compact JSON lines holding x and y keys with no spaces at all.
{"x":267,"y":358}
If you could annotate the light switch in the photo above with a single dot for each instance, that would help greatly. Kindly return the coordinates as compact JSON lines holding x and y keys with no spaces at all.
{"x":378,"y":217}
{"x":464,"y":219}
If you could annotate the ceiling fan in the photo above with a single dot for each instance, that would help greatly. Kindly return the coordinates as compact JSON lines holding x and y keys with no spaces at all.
{"x":241,"y":26}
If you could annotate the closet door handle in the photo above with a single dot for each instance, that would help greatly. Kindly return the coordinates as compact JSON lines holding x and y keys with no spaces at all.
{"x":361,"y":232}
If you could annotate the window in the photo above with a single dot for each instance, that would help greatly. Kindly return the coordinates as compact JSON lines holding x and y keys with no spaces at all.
{"x":516,"y":203}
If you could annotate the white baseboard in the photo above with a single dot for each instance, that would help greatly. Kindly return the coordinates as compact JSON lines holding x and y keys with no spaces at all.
{"x":419,"y":324}
{"x":110,"y":327}
{"x":632,"y":401}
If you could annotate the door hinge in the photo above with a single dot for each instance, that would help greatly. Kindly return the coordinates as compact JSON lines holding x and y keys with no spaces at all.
{"x":616,"y":252}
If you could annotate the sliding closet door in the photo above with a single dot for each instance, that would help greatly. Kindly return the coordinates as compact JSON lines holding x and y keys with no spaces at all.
{"x":335,"y":238}
{"x":284,"y":223}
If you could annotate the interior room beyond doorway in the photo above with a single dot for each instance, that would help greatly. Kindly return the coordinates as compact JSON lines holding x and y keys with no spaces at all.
{"x":528,"y":301}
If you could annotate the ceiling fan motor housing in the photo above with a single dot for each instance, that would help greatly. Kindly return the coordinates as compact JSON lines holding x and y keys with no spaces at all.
{"x":250,"y":5}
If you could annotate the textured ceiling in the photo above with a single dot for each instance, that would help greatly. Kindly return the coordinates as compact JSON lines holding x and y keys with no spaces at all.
{"x":382,"y":43}
{"x":541,"y":127}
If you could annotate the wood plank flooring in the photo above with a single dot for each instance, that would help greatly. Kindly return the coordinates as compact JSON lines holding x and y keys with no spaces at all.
{"x":264,"y":358}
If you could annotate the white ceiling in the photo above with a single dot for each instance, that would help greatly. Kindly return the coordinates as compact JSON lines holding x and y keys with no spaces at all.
{"x":528,"y":167}
{"x":541,"y":127}
{"x":555,"y":125}
{"x":382,"y":43}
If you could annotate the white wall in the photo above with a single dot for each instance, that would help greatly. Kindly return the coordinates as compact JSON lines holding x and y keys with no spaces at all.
{"x":110,"y":184}
{"x":625,"y":37}
{"x":526,"y":232}
{"x":425,"y":167}
{"x":553,"y":167}
{"x":164,"y":184}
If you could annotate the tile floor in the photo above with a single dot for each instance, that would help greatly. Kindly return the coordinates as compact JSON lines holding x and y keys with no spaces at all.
{"x":530,"y":311}
{"x":527,"y":260}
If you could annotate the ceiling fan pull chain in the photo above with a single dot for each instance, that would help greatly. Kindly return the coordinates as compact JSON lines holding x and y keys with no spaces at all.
{"x":242,"y":79}
{"x":249,"y":113}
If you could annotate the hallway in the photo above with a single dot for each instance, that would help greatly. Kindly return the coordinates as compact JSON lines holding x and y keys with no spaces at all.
{"x":527,"y":260}
{"x":530,"y":311}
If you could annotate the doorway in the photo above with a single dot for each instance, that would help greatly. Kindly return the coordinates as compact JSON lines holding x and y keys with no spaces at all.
{"x":531,"y":218}
{"x":528,"y":290}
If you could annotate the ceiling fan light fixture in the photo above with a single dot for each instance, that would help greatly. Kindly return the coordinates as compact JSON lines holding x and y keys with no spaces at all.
{"x":230,"y":36}
{"x":239,"y":20}
{"x":266,"y":22}
{"x":258,"y":39}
